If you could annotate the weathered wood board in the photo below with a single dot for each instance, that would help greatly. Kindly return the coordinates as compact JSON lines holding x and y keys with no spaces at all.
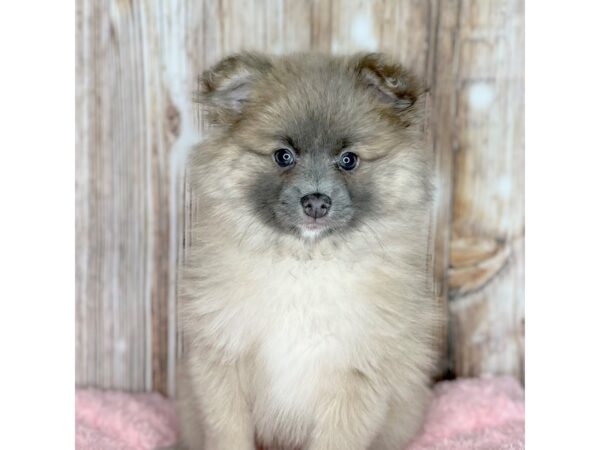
{"x":137,"y":66}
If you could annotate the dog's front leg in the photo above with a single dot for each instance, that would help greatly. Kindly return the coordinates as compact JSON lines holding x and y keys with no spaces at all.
{"x":350,"y":413}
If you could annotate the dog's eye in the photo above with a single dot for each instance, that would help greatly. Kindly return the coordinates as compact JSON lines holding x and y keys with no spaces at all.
{"x":348,"y":161}
{"x":284,"y":157}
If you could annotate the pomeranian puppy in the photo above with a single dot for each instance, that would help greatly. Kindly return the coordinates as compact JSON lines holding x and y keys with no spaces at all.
{"x":307,"y":315}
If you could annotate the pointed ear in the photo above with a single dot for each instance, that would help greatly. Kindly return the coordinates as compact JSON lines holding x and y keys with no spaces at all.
{"x":227,"y":86}
{"x":390,"y":82}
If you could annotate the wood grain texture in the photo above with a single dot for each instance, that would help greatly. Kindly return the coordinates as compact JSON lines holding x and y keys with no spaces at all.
{"x":486,"y":272}
{"x":137,"y":66}
{"x":135,"y":122}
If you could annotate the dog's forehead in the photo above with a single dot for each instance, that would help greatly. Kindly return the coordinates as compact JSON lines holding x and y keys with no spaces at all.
{"x":315,"y":135}
{"x":316,"y":116}
{"x":317,"y":109}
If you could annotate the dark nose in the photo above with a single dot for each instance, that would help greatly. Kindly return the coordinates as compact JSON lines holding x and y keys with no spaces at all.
{"x":316,"y":205}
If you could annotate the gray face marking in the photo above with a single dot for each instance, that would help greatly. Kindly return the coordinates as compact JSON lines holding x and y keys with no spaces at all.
{"x":276,"y":194}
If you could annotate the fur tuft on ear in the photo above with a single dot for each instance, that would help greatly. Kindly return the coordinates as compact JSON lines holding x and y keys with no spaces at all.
{"x":392,"y":83}
{"x":227,"y":86}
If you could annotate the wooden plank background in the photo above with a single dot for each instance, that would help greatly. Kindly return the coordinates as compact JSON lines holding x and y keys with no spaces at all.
{"x":137,"y":66}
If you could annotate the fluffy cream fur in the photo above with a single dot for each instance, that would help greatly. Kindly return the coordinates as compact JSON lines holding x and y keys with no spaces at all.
{"x":298,"y":341}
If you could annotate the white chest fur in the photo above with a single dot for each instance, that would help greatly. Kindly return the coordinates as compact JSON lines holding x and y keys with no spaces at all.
{"x":303,"y":319}
{"x":313,"y":319}
{"x":309,"y":333}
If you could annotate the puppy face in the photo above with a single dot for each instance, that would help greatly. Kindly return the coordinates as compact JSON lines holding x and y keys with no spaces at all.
{"x":315,"y":146}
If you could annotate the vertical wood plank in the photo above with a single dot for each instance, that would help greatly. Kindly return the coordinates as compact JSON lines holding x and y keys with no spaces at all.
{"x":134,"y":87}
{"x":486,"y":263}
{"x":113,"y":314}
{"x":442,"y":75}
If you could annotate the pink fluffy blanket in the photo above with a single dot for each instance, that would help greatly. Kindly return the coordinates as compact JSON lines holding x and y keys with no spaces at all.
{"x":483,"y":413}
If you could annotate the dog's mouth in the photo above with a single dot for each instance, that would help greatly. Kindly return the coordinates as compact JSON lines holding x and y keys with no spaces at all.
{"x":313,"y":228}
